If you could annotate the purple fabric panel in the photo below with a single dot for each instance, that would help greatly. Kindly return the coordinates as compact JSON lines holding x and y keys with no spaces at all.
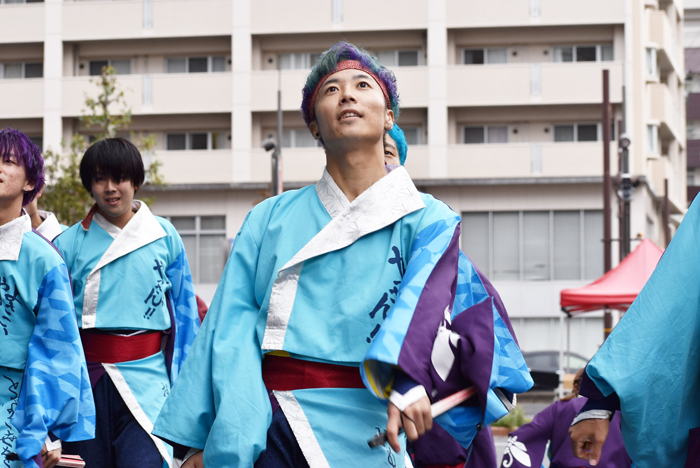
{"x":475,"y":348}
{"x":438,"y":293}
{"x":693,"y":460}
{"x":170,"y":337}
{"x":553,"y":424}
{"x":491,"y":291}
{"x":37,"y":459}
{"x":589,"y":390}
{"x":95,"y":370}
{"x":437,"y":447}
{"x":533,"y":437}
{"x":483,"y":450}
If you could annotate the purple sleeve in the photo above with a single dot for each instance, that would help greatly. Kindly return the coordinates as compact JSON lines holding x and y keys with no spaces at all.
{"x":526,"y":446}
{"x":596,"y":399}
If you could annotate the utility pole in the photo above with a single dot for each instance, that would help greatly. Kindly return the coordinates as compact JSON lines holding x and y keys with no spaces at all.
{"x":276,"y":186}
{"x":607,"y":221}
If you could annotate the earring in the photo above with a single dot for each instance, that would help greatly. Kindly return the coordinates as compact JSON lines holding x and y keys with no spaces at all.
{"x":317,"y":135}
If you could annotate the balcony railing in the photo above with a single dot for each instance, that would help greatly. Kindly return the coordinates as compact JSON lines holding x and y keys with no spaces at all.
{"x":22,"y":98}
{"x":664,"y":108}
{"x":22,"y":22}
{"x":167,"y":93}
{"x":524,"y":84}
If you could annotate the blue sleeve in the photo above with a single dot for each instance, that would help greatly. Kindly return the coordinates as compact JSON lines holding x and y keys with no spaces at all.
{"x":184,"y":310}
{"x":56,"y":395}
{"x":219,"y":402}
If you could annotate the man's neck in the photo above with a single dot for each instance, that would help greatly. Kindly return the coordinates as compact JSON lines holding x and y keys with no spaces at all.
{"x":36,"y":219}
{"x":354,"y":171}
{"x":10,"y":210}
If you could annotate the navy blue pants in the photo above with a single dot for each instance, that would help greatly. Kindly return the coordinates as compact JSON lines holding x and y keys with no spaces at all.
{"x":282,"y":450}
{"x":120,"y":442}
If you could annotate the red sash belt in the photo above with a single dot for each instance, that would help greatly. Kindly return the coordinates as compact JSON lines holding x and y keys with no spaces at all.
{"x":110,"y":349}
{"x":286,"y":373}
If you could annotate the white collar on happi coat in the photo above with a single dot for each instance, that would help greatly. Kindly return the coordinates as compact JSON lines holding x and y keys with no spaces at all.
{"x":141,"y":230}
{"x":391,"y":198}
{"x":11,"y":236}
{"x":49,"y":227}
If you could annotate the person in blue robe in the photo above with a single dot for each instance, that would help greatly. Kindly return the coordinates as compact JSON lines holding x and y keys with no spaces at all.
{"x":648,"y":366}
{"x":437,"y":448}
{"x":329,"y":291}
{"x":44,"y":385}
{"x":136,"y":307}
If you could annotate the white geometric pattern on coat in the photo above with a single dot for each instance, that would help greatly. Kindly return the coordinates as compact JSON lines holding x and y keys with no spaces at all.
{"x":302,"y":430}
{"x":390,"y":199}
{"x":11,"y":237}
{"x":333,"y":199}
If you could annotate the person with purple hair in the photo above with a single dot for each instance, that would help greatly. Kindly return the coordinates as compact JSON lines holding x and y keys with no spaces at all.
{"x":44,"y":384}
{"x":329,"y":291}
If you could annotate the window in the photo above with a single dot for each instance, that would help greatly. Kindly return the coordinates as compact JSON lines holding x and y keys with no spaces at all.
{"x":204,"y":238}
{"x":121,"y":66}
{"x":653,"y":139}
{"x":652,"y":69}
{"x":38,"y":141}
{"x":412,"y":135}
{"x":19,"y":70}
{"x":298,"y":138}
{"x":576,"y":132}
{"x":200,"y":64}
{"x":535,"y":245}
{"x":400,"y":58}
{"x":583,"y":53}
{"x":482,"y":56}
{"x":486,"y":134}
{"x":297,"y":61}
{"x":196,"y":141}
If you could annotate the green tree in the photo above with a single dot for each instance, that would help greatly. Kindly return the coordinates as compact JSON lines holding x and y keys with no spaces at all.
{"x":64,"y":194}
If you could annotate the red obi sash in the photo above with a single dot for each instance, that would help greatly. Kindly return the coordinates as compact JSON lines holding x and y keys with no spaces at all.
{"x":286,"y":373}
{"x":111,"y":349}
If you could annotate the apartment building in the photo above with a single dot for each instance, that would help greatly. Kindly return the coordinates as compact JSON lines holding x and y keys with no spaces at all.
{"x":691,"y":43}
{"x":501,"y":105}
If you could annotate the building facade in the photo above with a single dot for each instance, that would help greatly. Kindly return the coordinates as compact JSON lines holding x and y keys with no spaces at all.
{"x":691,"y":43}
{"x":501,"y":105}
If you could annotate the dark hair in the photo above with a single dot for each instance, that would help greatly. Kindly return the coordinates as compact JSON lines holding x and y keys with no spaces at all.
{"x":115,"y":158}
{"x":28,"y":156}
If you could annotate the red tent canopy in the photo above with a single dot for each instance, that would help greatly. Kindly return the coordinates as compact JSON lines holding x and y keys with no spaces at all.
{"x":618,"y":288}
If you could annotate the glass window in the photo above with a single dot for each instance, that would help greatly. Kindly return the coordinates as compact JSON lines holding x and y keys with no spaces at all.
{"x":38,"y":141}
{"x":651,"y":67}
{"x":536,"y":246}
{"x":475,"y":239}
{"x":497,"y":134}
{"x":198,"y":141}
{"x":12,"y":70}
{"x":563,"y":54}
{"x":653,"y":139}
{"x":212,"y":257}
{"x":213,"y":222}
{"x":176,"y":65}
{"x":387,"y":57}
{"x":473,"y":135}
{"x":184,"y":223}
{"x":506,"y":247}
{"x":197,"y":64}
{"x":473,"y":56}
{"x":563,"y":133}
{"x":218,"y":64}
{"x":499,"y":55}
{"x":219,"y":140}
{"x":593,"y":244}
{"x":607,"y":53}
{"x":304,"y":139}
{"x":34,"y":70}
{"x":586,"y":53}
{"x":587,"y":132}
{"x":122,"y":67}
{"x":408,"y":58}
{"x":96,"y":66}
{"x":176,"y":141}
{"x":286,"y":138}
{"x":412,"y":135}
{"x":567,"y":245}
{"x":205,"y":243}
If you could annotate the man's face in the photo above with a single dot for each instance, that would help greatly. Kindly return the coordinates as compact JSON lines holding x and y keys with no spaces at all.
{"x":113,"y":198}
{"x":350,"y":106}
{"x":391,"y":152}
{"x":13,"y":179}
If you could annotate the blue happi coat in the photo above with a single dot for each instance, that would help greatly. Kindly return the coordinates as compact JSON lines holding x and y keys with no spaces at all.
{"x":319,"y":278}
{"x":137,"y":280}
{"x":44,"y":384}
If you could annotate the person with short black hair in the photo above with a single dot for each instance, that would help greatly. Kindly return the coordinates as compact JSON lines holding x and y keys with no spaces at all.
{"x":136,"y":307}
{"x":44,"y":385}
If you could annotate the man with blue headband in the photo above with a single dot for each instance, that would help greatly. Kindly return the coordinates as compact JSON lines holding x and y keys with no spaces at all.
{"x":332,"y":290}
